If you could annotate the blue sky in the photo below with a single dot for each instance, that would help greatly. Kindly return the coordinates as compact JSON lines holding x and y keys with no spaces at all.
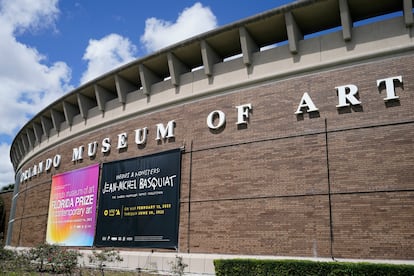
{"x":78,"y":22}
{"x":50,"y":47}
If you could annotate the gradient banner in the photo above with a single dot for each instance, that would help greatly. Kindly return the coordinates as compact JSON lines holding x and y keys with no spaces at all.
{"x":72,"y":207}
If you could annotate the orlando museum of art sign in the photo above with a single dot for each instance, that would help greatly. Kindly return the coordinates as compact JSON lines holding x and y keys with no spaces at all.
{"x":139,"y":197}
{"x":138,"y":203}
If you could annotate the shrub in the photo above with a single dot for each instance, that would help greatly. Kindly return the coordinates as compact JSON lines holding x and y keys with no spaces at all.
{"x":6,"y":258}
{"x":6,"y":254}
{"x":53,"y":258}
{"x":2,"y":218}
{"x":178,"y":266}
{"x":102,"y":257}
{"x":14,"y":261}
{"x":255,"y":267}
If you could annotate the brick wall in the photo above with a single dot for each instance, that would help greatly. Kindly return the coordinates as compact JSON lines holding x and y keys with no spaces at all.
{"x":338,"y":182}
{"x":7,"y":199}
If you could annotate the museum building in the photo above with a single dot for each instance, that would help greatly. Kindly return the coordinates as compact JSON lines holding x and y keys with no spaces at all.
{"x":289,"y":134}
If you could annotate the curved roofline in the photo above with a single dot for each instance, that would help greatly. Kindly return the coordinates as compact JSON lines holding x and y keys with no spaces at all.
{"x":198,"y":37}
{"x":288,"y":23}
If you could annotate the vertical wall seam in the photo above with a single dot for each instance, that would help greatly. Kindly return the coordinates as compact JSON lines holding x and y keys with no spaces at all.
{"x":21,"y":222}
{"x":189,"y":196}
{"x":331,"y":236}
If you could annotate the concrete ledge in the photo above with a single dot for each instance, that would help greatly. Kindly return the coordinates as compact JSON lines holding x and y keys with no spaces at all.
{"x":202,"y":264}
{"x":197,"y":264}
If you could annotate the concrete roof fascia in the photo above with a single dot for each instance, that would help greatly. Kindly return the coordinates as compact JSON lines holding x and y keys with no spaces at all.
{"x":359,"y":9}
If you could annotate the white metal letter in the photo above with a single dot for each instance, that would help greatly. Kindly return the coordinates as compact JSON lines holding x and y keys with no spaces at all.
{"x":343,"y":96}
{"x":141,"y":136}
{"x":243,"y":113}
{"x":34,"y":170}
{"x":165,"y":132}
{"x":40,"y":167}
{"x":92,"y":149}
{"x":306,"y":102}
{"x":56,"y":160}
{"x":221,"y":119}
{"x":29,"y":173}
{"x":389,"y":87}
{"x":48,"y":164}
{"x":77,"y":154}
{"x":106,"y":145}
{"x":122,"y":140}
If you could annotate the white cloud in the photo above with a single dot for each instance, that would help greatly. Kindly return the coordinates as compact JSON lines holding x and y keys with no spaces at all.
{"x":114,"y":50}
{"x":28,"y":14}
{"x":105,"y":54}
{"x":192,"y":21}
{"x":6,"y":169}
{"x":28,"y":83}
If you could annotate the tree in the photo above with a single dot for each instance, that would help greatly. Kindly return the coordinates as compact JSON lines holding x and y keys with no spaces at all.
{"x":9,"y":187}
{"x":2,"y":218}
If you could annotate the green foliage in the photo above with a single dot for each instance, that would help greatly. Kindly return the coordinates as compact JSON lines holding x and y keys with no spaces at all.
{"x":2,"y":217}
{"x":177,"y":266}
{"x":6,"y":254}
{"x":9,"y":187}
{"x":53,"y":258}
{"x":255,"y":267}
{"x":14,"y":261}
{"x":102,"y":257}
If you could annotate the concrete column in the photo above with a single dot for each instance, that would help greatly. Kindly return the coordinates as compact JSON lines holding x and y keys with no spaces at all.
{"x":123,"y":87}
{"x":293,"y":32}
{"x":176,"y":68}
{"x":346,"y":20}
{"x":85,"y":104}
{"x":103,"y":96}
{"x":210,"y":57}
{"x":248,"y":46}
{"x":148,"y":78}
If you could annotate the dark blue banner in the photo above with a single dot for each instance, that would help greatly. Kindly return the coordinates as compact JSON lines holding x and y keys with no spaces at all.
{"x":139,"y":202}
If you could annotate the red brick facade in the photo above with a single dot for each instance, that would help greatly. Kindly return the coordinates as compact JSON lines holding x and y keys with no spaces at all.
{"x":7,"y":199}
{"x":334,"y":183}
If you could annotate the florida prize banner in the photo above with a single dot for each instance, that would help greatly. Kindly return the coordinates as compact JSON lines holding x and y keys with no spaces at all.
{"x":139,"y":202}
{"x":72,"y":207}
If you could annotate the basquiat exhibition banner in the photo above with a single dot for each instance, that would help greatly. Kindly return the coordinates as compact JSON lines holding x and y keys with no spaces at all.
{"x":139,"y":202}
{"x":72,"y":207}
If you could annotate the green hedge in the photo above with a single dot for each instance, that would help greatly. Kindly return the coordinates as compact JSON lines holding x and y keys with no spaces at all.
{"x":253,"y":267}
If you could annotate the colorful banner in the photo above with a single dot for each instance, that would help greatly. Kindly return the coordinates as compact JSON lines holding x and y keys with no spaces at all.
{"x":139,"y":202}
{"x":72,"y":207}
